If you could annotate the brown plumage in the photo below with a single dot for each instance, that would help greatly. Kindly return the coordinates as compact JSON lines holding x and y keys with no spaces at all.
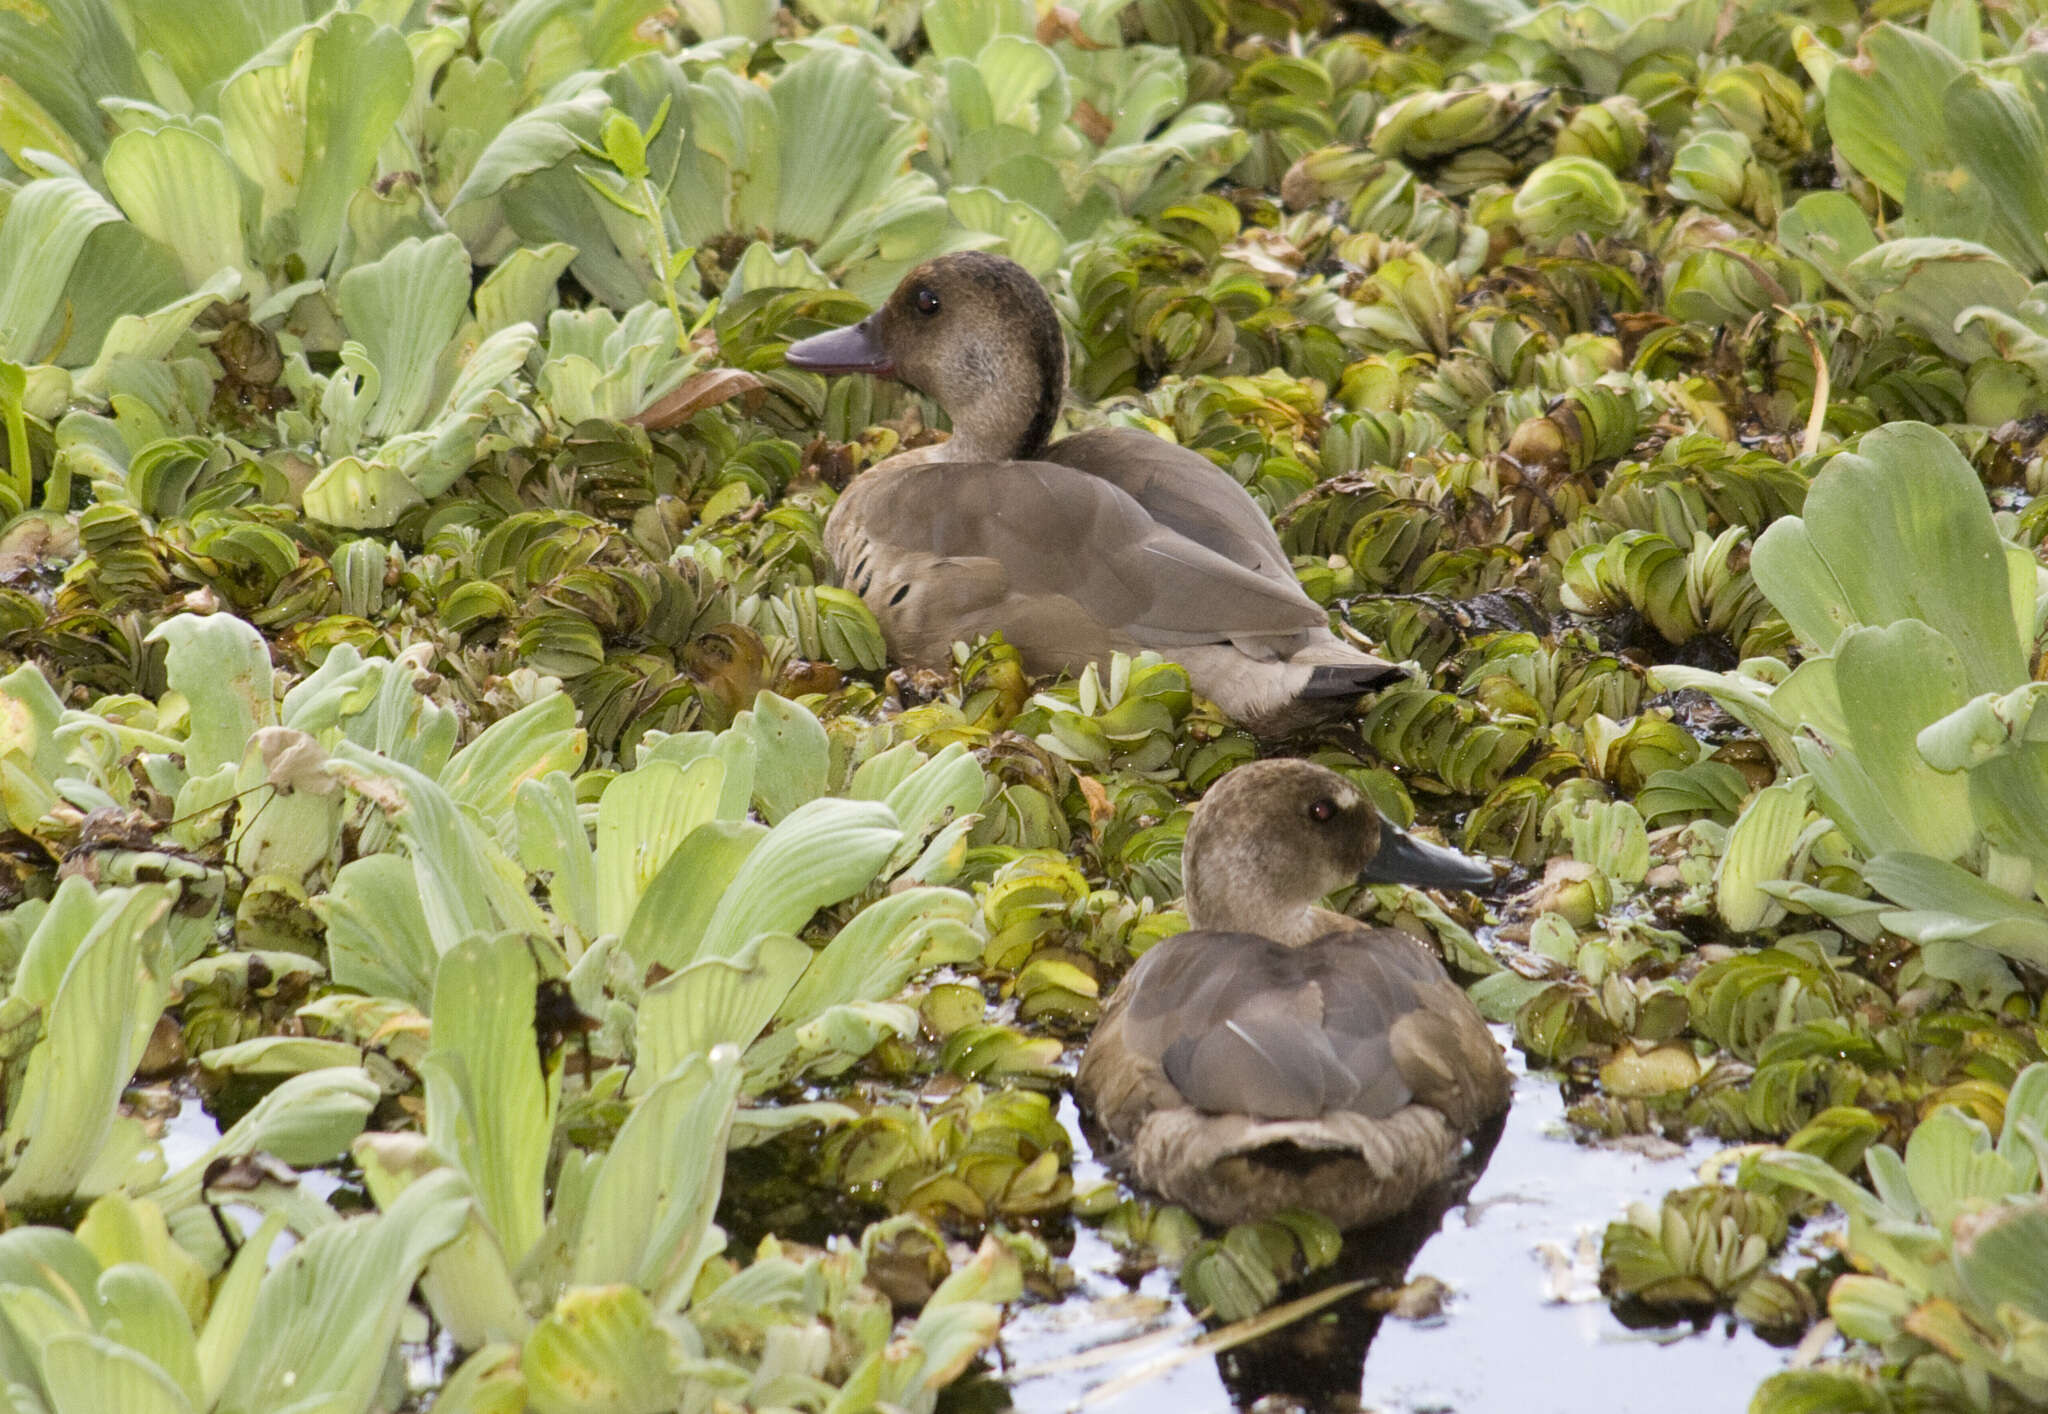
{"x":1282,"y":1055}
{"x":1109,"y":541}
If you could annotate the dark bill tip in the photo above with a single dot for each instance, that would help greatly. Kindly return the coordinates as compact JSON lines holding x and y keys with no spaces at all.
{"x":1403,"y":859}
{"x":854,"y":349}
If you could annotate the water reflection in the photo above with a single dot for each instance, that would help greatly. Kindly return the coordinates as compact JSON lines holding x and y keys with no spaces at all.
{"x":1315,"y":1363}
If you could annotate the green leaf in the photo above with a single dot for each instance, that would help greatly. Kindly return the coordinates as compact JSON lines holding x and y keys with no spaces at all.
{"x":601,"y":1350}
{"x":1886,"y":113}
{"x":534,"y":141}
{"x":327,"y":1314}
{"x":717,"y":1001}
{"x":146,"y":1315}
{"x":1887,"y":684}
{"x":660,"y":1184}
{"x":522,"y":289}
{"x":181,"y":189}
{"x":467,"y":885}
{"x":1932,"y":283}
{"x":1999,"y":139}
{"x":45,"y":229}
{"x":1945,"y":903}
{"x":358,"y":78}
{"x":1950,"y":1162}
{"x":643,"y":819}
{"x":234,"y":1307}
{"x":1898,"y":529}
{"x":403,"y":310}
{"x":790,"y":754}
{"x":1828,"y":230}
{"x":1760,"y":848}
{"x":306,"y":1121}
{"x":89,"y":1374}
{"x":222,"y":666}
{"x":553,"y":840}
{"x":1026,"y":234}
{"x":539,"y":739}
{"x":668,"y":927}
{"x":490,"y":1107}
{"x":822,"y":852}
{"x":378,"y":939}
{"x":113,"y":984}
{"x":872,"y":957}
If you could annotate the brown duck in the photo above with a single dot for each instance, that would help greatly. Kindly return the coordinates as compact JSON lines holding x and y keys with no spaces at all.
{"x":1112,"y":540}
{"x":1283,"y":1055}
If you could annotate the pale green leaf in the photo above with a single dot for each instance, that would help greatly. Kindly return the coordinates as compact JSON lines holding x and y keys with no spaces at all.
{"x":45,"y":229}
{"x":643,"y":819}
{"x":822,"y":852}
{"x":660,"y":1184}
{"x":716,"y":1001}
{"x":490,"y":1108}
{"x":89,"y":1374}
{"x":668,"y":927}
{"x":222,"y":666}
{"x":358,"y":78}
{"x":328,"y":1312}
{"x":378,"y":939}
{"x":790,"y":754}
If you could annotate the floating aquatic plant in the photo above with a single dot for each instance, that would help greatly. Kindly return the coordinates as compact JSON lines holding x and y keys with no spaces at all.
{"x":424,"y":695}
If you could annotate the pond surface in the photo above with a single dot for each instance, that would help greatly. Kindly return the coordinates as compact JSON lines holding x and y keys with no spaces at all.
{"x":1524,"y":1330}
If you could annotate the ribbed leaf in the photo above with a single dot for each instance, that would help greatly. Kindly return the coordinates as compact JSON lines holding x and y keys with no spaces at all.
{"x":643,"y":819}
{"x":650,"y":1211}
{"x":490,"y":1108}
{"x":115,"y":980}
{"x":873,"y":956}
{"x":45,"y":229}
{"x":181,"y":189}
{"x":716,"y":1001}
{"x":378,"y":941}
{"x":145,"y":1315}
{"x":1886,"y":115}
{"x":668,"y":927}
{"x":358,"y":77}
{"x":89,"y":1374}
{"x":326,"y":1315}
{"x":222,"y":666}
{"x":403,"y":310}
{"x":823,"y":852}
{"x":307,"y":1120}
{"x":1898,"y":529}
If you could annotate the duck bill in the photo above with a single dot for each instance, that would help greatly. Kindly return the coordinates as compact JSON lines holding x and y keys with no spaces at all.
{"x":854,"y":349}
{"x":1403,"y":859}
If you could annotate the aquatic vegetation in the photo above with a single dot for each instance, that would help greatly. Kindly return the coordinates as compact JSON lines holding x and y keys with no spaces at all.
{"x":428,"y":725}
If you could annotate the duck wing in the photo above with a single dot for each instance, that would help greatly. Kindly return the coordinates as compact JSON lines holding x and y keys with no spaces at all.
{"x":1037,"y":543}
{"x":1359,"y":1022}
{"x":1182,"y":490}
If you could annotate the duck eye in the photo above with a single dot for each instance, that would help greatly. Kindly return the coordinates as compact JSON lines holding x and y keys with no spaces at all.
{"x":1323,"y":810}
{"x":927,"y":302}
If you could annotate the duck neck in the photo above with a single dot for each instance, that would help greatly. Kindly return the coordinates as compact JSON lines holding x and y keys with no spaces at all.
{"x":1015,"y":406}
{"x":1221,"y":910}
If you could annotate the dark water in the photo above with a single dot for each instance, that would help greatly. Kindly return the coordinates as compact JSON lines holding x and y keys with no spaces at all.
{"x":1525,"y":1328}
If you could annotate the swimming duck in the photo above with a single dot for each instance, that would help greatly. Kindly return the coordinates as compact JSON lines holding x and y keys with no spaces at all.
{"x":1111,"y":540}
{"x":1282,"y":1055}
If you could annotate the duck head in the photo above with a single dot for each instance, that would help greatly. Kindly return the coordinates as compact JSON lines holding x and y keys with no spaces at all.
{"x":1272,"y":838}
{"x":973,"y":331}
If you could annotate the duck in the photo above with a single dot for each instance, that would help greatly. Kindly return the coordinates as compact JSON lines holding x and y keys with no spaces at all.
{"x":1281,"y":1055}
{"x":1108,"y":541}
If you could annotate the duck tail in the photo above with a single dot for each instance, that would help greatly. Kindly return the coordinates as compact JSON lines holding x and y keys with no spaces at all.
{"x":1350,"y":679}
